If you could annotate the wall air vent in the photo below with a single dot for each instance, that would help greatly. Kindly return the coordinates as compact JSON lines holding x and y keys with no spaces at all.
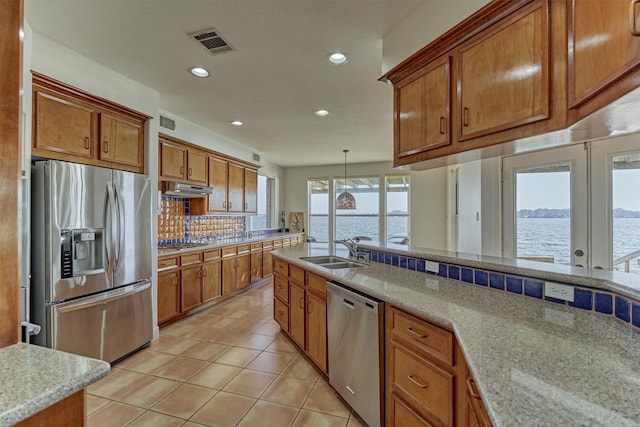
{"x":256,"y":157}
{"x":212,"y":41}
{"x":167,"y":123}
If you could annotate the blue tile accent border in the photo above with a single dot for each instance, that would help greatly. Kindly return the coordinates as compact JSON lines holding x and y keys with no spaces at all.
{"x":622,"y":308}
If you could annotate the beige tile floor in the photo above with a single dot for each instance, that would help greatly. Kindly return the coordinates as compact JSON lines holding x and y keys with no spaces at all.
{"x":225,"y":366}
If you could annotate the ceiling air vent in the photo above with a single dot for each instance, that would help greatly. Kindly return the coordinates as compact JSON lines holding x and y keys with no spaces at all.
{"x":167,"y":123}
{"x":212,"y":41}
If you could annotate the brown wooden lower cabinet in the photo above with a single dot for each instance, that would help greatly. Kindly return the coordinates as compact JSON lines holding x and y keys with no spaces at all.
{"x":168,"y":295}
{"x":256,"y":266}
{"x":428,"y":382}
{"x":191,"y":287}
{"x":300,"y":296}
{"x":70,"y":411}
{"x":211,"y":281}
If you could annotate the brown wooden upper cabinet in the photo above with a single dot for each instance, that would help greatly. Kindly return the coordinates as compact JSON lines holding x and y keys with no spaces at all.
{"x":423,"y":102}
{"x":604,"y":45}
{"x":235,"y":199}
{"x":72,"y":125}
{"x":250,"y":191}
{"x":504,"y":74}
{"x":182,"y":163}
{"x":218,"y":175}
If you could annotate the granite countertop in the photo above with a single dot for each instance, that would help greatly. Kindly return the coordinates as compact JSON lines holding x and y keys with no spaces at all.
{"x":34,"y":378}
{"x":219,"y":243}
{"x":535,"y":362}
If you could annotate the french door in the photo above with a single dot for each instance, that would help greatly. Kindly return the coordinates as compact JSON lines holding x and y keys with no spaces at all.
{"x":576,"y":205}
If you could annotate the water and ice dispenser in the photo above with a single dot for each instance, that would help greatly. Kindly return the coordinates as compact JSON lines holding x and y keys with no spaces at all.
{"x":81,"y":252}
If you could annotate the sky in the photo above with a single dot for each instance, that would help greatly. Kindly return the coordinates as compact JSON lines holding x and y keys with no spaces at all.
{"x":551,"y":190}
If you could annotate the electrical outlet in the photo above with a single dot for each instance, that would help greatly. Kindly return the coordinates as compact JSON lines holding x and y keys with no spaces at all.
{"x":432,"y":266}
{"x":556,"y":290}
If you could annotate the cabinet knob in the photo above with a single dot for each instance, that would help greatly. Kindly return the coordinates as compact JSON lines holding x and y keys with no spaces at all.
{"x":224,"y":204}
{"x":106,"y":146}
{"x":309,"y":307}
{"x":302,"y":303}
{"x":174,"y":280}
{"x":230,"y":205}
{"x":87,"y":145}
{"x":442,"y":131}
{"x":635,"y":31}
{"x":246,"y":206}
{"x":181,"y":170}
{"x":465,"y":116}
{"x":418,"y":381}
{"x":416,"y":334}
{"x":190,"y":172}
{"x":471,"y":386}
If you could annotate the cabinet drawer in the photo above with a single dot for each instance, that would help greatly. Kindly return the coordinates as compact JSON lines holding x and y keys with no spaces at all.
{"x":211,"y":255}
{"x":227,"y":252}
{"x":277,"y":243}
{"x":286,"y":242}
{"x":280,"y":267}
{"x":427,"y":337}
{"x":167,"y":263}
{"x":256,"y":247}
{"x":427,"y":386}
{"x":281,"y":314}
{"x":402,"y":415}
{"x":296,"y":275}
{"x":317,"y":283}
{"x":243,"y":249}
{"x":281,"y":288}
{"x":193,"y":258}
{"x":267,"y":244}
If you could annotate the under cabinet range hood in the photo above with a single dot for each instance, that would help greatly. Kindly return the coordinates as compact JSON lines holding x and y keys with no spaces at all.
{"x":185,"y":190}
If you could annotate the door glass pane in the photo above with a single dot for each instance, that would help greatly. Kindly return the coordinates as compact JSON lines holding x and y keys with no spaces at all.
{"x":626,"y":213}
{"x":543,"y":226}
{"x":364,"y":220}
{"x":262,"y":219}
{"x":318,"y":210}
{"x":398,"y":209}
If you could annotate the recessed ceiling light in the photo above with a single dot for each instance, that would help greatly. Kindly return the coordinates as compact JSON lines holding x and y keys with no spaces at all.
{"x":321,"y":113}
{"x":236,"y":123}
{"x":338,"y":58}
{"x":199,"y":72}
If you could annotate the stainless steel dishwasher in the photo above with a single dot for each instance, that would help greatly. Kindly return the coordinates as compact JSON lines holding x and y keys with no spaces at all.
{"x":355,"y":335}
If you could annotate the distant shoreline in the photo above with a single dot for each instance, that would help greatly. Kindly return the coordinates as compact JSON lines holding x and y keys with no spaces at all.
{"x":566,"y":213}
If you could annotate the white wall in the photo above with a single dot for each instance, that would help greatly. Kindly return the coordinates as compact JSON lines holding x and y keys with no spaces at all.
{"x":427,"y":196}
{"x":423,"y":25}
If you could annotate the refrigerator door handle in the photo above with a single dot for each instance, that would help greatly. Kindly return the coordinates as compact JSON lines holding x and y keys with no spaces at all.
{"x":119,"y":238}
{"x":108,"y":240}
{"x":105,"y":298}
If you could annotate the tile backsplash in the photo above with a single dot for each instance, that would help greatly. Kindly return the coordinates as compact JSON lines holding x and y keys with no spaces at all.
{"x":176,"y":225}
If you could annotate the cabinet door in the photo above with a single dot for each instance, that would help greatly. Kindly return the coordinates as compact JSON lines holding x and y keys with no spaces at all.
{"x":173,"y":159}
{"x":236,"y":188}
{"x":604,"y":43}
{"x":197,"y":167}
{"x":504,"y":74}
{"x":422,"y":111}
{"x":243,"y":271}
{"x":191,"y":287}
{"x":401,"y":415}
{"x":256,"y":266}
{"x":210,"y":280}
{"x":218,"y":181}
{"x":267,"y":264}
{"x":64,"y":126}
{"x":250,"y":191}
{"x":296,"y":314}
{"x":229,"y":285}
{"x":317,"y":330}
{"x":122,"y":142}
{"x":168,"y":296}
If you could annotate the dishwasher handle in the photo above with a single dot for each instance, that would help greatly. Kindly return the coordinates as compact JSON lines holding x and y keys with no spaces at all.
{"x":348,"y":303}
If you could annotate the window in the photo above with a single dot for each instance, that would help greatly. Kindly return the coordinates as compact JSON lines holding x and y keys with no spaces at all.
{"x":263,"y":218}
{"x":397,"y":209}
{"x":367,"y":221}
{"x":364,"y":221}
{"x":319,"y":209}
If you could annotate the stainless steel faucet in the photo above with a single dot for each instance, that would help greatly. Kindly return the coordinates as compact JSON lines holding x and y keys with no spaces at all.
{"x":351,"y":245}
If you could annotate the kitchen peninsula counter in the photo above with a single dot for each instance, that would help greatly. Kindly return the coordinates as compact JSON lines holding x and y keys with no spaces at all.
{"x":535,"y":362}
{"x":34,"y":378}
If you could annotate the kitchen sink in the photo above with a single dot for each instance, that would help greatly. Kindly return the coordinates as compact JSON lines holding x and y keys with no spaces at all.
{"x":333,"y":262}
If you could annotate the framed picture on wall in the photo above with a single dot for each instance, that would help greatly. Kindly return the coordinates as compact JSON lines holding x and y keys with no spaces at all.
{"x":296,"y":222}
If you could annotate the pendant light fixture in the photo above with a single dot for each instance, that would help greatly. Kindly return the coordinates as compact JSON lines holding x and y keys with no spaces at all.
{"x":345,"y":199}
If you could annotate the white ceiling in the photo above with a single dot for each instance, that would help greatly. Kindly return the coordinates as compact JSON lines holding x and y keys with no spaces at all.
{"x":275,"y":79}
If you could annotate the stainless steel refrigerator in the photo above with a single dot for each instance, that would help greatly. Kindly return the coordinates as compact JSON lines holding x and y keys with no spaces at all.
{"x":90,"y":259}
